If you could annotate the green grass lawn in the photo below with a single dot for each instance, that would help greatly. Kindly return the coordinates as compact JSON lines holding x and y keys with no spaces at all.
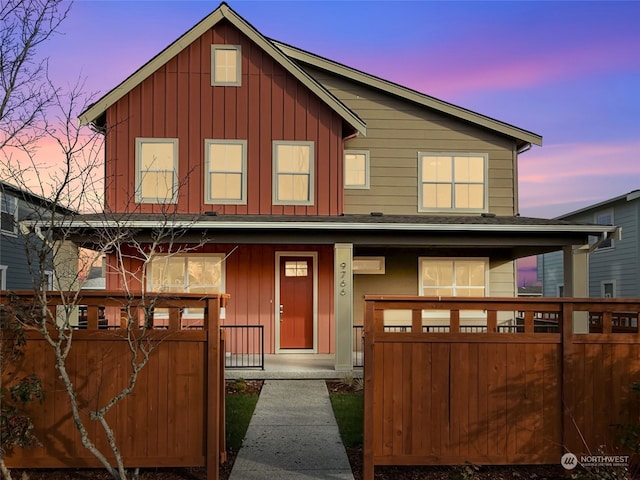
{"x":240,"y":407}
{"x":348,"y":409}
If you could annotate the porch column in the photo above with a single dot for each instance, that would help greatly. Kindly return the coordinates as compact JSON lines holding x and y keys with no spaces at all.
{"x":65,"y":267}
{"x":576,"y":282}
{"x":343,"y":295}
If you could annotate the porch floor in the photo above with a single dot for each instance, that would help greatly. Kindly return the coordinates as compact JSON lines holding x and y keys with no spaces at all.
{"x":292,"y":366}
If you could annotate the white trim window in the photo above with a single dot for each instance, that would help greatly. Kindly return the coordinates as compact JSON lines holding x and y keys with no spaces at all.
{"x":186,"y":273}
{"x":226,"y":65}
{"x":48,"y":280}
{"x":604,"y":217}
{"x":8,"y":214}
{"x":226,"y":171}
{"x":452,"y":181}
{"x":293,"y":173}
{"x":453,"y":277}
{"x":3,"y":277}
{"x":156,"y":170}
{"x":608,"y":288}
{"x":356,"y":169}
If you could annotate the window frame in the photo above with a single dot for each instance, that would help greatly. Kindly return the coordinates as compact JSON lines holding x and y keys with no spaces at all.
{"x":609,"y":243}
{"x":485,"y":260}
{"x":139,"y":141}
{"x":453,"y":155}
{"x":614,"y":288}
{"x":367,"y":168}
{"x":275,"y":173}
{"x":3,"y":277}
{"x":209,"y":199}
{"x":222,"y":46}
{"x":14,"y":200}
{"x":187,"y":314}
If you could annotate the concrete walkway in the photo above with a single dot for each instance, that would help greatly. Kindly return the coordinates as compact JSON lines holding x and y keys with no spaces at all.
{"x":292,"y":435}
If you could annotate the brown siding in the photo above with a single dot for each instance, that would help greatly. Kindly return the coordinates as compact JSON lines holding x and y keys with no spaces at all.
{"x":178,"y":101}
{"x":396,"y":131}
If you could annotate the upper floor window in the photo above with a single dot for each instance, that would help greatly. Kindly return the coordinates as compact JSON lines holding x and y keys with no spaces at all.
{"x":8,"y":213}
{"x":156,"y":170}
{"x":293,"y":176}
{"x":452,"y":181}
{"x":604,"y":217}
{"x":356,"y":169}
{"x":226,"y":166}
{"x":226,"y":65}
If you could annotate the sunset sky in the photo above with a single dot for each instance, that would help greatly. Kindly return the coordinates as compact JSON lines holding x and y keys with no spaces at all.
{"x":569,"y":71}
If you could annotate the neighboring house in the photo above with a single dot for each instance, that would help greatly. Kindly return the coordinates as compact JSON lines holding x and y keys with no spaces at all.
{"x":613,"y":264}
{"x":314,"y":184}
{"x":20,"y":267}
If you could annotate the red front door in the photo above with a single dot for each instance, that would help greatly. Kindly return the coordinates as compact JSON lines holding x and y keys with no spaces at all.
{"x":296,"y":302}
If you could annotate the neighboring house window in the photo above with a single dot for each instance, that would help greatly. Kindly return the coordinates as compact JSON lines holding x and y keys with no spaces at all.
{"x":186,"y":273}
{"x":3,"y":277}
{"x":156,"y":170}
{"x":356,"y":169}
{"x":452,"y":181}
{"x":226,"y":166}
{"x":608,"y":289}
{"x":447,"y":277}
{"x":293,"y":169}
{"x":226,"y":65}
{"x":8,"y":213}
{"x":47,"y":280}
{"x":604,"y":218}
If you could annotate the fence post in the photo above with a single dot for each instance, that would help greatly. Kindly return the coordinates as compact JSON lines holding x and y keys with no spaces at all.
{"x":567,"y":396}
{"x":369,"y":366}
{"x":213,"y":388}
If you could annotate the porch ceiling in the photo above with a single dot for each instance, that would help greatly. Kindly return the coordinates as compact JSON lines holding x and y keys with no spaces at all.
{"x":508,"y":237}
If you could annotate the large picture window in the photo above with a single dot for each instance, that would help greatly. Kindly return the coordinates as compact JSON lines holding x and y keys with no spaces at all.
{"x":186,"y":273}
{"x":226,"y":164}
{"x":8,"y":213}
{"x":156,"y":170}
{"x":226,"y":62}
{"x":452,"y":182}
{"x":446,"y":277}
{"x":293,"y":173}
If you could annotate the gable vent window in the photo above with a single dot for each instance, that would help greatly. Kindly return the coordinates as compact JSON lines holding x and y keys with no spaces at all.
{"x":226,"y":63}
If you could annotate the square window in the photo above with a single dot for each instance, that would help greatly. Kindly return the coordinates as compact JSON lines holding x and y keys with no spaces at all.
{"x":293,"y":173}
{"x":452,"y":181}
{"x":356,"y":169}
{"x":8,"y":213}
{"x":225,"y":178}
{"x":156,"y":170}
{"x":226,"y":65}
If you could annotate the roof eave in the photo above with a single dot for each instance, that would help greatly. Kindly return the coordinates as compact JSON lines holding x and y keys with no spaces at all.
{"x":522,"y":136}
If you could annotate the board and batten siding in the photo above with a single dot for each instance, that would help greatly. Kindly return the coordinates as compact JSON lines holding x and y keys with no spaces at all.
{"x":397,"y":130}
{"x":178,"y":101}
{"x":249,"y":279}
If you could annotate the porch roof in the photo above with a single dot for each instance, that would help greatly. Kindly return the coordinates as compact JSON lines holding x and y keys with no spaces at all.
{"x":521,"y":236}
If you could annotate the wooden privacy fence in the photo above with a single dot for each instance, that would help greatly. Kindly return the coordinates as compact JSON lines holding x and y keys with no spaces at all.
{"x":503,"y":394}
{"x":175,"y":415}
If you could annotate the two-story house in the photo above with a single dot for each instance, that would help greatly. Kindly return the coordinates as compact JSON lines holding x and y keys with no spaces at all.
{"x":20,"y":251}
{"x":313,"y":184}
{"x":613,"y":264}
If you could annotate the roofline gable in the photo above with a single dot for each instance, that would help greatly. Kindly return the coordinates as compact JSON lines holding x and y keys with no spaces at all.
{"x":525,"y":136}
{"x":222,"y":12}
